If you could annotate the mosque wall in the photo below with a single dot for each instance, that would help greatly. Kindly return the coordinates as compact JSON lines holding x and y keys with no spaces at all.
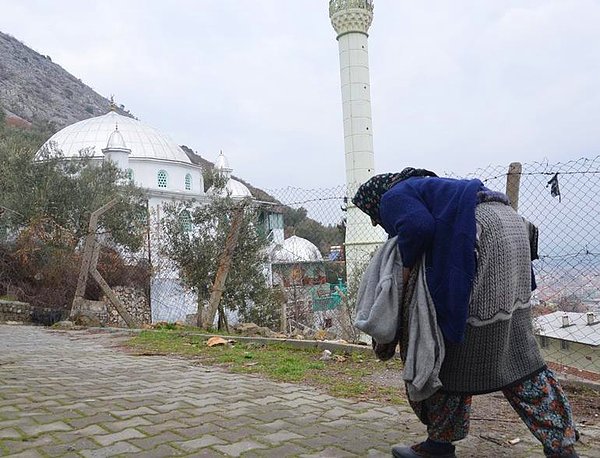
{"x":146,"y":175}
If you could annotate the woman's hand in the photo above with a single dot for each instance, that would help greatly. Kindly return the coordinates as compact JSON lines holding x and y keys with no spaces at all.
{"x":384,"y":352}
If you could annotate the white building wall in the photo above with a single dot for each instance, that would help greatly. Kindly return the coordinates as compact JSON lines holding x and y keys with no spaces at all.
{"x":146,"y":175}
{"x":120,"y":158}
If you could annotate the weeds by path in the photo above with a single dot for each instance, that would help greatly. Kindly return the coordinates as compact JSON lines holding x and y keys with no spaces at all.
{"x":344,"y":375}
{"x":356,"y":375}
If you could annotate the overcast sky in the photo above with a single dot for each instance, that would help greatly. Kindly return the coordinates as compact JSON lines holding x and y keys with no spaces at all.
{"x":455,"y":85}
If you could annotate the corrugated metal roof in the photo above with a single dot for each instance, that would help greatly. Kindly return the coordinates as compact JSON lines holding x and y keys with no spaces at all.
{"x":579,"y":330}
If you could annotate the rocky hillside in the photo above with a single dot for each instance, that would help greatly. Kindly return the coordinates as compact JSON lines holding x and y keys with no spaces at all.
{"x":37,"y":90}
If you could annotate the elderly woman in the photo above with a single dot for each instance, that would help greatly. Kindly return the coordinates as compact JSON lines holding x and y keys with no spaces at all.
{"x":477,"y":256}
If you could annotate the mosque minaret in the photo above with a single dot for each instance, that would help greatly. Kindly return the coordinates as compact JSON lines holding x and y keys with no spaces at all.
{"x":351,"y":20}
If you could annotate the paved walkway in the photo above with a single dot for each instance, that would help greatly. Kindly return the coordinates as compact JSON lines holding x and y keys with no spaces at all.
{"x":71,"y":394}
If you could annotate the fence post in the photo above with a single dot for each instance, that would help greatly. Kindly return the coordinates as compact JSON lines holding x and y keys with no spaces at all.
{"x":513,"y":182}
{"x":283,"y":316}
{"x":89,"y":264}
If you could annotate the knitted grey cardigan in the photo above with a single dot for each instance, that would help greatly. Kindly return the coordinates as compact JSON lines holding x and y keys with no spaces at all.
{"x":499,"y":347}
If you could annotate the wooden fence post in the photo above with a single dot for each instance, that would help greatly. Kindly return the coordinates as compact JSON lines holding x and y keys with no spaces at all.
{"x":513,"y":183}
{"x":88,"y":266}
{"x":283,"y":321}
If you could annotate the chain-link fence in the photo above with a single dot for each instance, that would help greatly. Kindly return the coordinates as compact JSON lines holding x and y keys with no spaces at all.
{"x":561,"y":200}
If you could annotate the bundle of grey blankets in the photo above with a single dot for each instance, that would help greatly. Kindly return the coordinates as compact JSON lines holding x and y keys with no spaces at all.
{"x":379,"y":302}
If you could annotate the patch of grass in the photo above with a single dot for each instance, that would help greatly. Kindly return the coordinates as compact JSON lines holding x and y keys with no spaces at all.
{"x":350,"y":376}
{"x":161,"y":342}
{"x":349,"y":388}
{"x":392,"y":395}
{"x":276,"y":362}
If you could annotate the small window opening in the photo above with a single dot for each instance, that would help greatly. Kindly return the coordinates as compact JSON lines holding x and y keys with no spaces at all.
{"x":162,"y":179}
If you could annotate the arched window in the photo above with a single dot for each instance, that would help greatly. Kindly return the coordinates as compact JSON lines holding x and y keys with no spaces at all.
{"x":162,"y":179}
{"x":185,"y":219}
{"x":188,"y":182}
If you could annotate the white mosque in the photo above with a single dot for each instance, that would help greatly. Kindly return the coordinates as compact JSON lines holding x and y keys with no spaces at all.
{"x":153,"y":161}
{"x":166,"y":173}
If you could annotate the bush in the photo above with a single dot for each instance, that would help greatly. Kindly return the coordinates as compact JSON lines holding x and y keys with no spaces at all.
{"x":267,"y":313}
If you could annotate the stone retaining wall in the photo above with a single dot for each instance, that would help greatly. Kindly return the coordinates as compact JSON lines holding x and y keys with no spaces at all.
{"x":103,"y":313}
{"x":134,"y":301}
{"x":26,"y":313}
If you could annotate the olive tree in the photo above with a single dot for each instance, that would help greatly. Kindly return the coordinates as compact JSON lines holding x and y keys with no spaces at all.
{"x":195,"y":237}
{"x":46,"y":185}
{"x":45,"y":204}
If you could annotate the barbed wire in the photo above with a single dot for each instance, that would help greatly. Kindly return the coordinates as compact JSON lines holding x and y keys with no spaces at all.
{"x":540,"y":173}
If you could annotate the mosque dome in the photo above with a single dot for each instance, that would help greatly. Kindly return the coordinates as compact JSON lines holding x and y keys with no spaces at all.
{"x":296,"y":249}
{"x":222,"y":164}
{"x":91,"y":135}
{"x":115,"y":141}
{"x":233,"y":188}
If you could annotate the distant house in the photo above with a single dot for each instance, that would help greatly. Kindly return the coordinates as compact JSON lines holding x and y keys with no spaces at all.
{"x":570,"y":339}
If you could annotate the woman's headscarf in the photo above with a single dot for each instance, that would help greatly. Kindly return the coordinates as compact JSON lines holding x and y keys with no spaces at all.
{"x":368,"y":196}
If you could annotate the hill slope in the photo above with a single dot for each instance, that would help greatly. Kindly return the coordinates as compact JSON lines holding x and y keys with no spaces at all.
{"x":37,"y":90}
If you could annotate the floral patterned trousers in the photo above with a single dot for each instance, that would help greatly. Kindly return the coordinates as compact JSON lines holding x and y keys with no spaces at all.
{"x":540,"y":402}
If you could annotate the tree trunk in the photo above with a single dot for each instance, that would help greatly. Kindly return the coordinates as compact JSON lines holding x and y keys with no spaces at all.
{"x":224,"y":265}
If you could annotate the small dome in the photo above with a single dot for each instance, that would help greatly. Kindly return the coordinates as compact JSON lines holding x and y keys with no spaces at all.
{"x":222,"y":164}
{"x":237,"y":189}
{"x":233,"y":188}
{"x":296,"y":249}
{"x":115,"y":141}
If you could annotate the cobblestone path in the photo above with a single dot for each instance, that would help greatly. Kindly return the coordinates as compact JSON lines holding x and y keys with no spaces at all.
{"x":71,"y":394}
